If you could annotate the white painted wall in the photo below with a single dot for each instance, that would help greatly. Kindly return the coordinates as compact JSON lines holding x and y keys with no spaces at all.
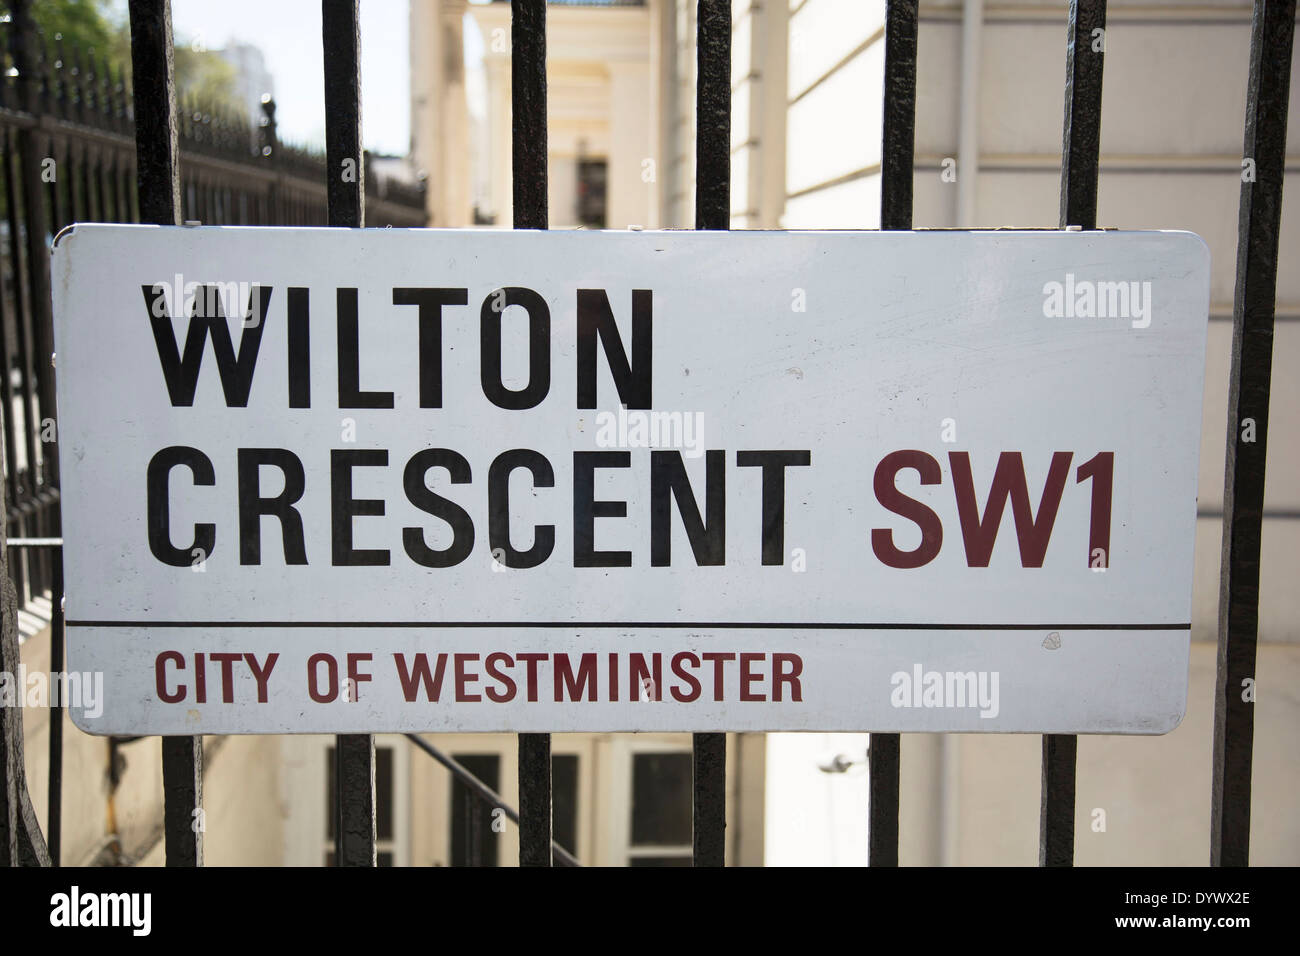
{"x":815,"y":818}
{"x":602,"y":100}
{"x":1173,"y":112}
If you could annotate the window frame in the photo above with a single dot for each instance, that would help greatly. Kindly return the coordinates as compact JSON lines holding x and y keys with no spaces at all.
{"x":624,"y":749}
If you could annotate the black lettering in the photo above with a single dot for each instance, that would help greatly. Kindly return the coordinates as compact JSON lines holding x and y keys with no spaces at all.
{"x":539,"y":348}
{"x":668,"y":479}
{"x":343,"y":507}
{"x":349,"y":333}
{"x":586,"y":509}
{"x":299,"y":349}
{"x":419,"y":494}
{"x":207,"y":319}
{"x":252,"y":506}
{"x":430,"y":302}
{"x":158,"y":506}
{"x":499,"y":508}
{"x":596,"y":321}
{"x":774,"y":464}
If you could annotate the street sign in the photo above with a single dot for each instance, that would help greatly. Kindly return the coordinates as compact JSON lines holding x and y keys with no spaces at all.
{"x":331,"y":480}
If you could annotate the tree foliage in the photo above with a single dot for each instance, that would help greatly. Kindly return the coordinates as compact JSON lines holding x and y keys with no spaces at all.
{"x":84,"y":25}
{"x":92,"y":29}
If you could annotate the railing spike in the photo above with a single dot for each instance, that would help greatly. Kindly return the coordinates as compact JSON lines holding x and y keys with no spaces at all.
{"x":92,"y":88}
{"x":43,"y":80}
{"x":84,"y":99}
{"x":119,"y":97}
{"x":106,"y":104}
{"x":60,"y":79}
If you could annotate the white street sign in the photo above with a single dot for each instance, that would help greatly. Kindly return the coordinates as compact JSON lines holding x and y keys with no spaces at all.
{"x":442,"y":480}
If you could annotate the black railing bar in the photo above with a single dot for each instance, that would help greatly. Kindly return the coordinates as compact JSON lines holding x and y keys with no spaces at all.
{"x":256,"y":167}
{"x":16,"y":172}
{"x":528,"y":164}
{"x":1081,"y":139}
{"x":14,"y":485}
{"x":54,"y":797}
{"x":32,"y":151}
{"x":485,"y":793}
{"x":18,"y":118}
{"x":1249,"y":385}
{"x":898,"y":151}
{"x":354,"y":754}
{"x":158,"y":188}
{"x":712,"y":212}
{"x":267,"y":173}
{"x":45,"y":494}
{"x":31,"y":501}
{"x":1080,"y":157}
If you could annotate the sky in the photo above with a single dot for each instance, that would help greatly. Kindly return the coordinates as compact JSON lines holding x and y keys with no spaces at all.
{"x":288,"y":32}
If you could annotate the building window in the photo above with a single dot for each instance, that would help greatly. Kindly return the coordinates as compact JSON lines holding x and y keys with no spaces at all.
{"x":661,"y":809}
{"x":473,"y":840}
{"x":591,"y":193}
{"x":385,"y":811}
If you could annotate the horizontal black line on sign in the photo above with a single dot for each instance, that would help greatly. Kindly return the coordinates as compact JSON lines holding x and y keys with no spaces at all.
{"x":659,"y":625}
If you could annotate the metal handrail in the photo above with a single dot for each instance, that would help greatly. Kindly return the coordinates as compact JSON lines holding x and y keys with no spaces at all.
{"x":485,"y":793}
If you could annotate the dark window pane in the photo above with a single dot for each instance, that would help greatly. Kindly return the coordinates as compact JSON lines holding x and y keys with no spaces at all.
{"x":592,"y":174}
{"x":661,"y":799}
{"x":472,"y":841}
{"x":660,"y":861}
{"x":564,"y":801}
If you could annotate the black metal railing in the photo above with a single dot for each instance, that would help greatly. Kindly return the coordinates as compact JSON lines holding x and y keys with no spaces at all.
{"x":85,"y":119}
{"x":71,"y":150}
{"x":1254,"y":303}
{"x":68,"y":154}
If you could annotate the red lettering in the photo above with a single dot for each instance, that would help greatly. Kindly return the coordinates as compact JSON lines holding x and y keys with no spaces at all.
{"x":782,"y":676}
{"x":638,"y":676}
{"x":531,"y":660}
{"x":261,"y":674}
{"x":463,"y":678}
{"x":882,"y":539}
{"x":313,"y":673}
{"x":498,"y":696}
{"x":747,"y":677}
{"x":678,"y":660}
{"x":227,"y":662}
{"x":160,"y":677}
{"x":586,"y":677}
{"x":355,"y":677}
{"x":1101,"y":469}
{"x":1032,"y":534}
{"x":719,"y":664}
{"x":420,"y":672}
{"x":200,"y":679}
